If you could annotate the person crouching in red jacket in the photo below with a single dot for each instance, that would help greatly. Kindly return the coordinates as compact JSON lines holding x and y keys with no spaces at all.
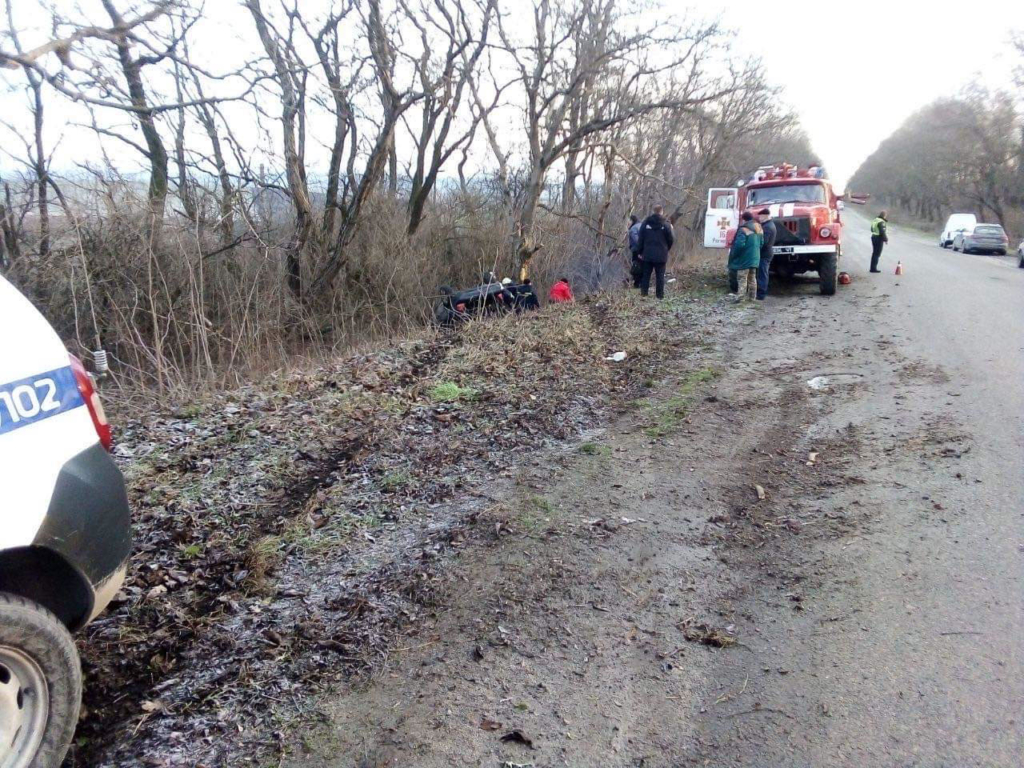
{"x":560,"y":292}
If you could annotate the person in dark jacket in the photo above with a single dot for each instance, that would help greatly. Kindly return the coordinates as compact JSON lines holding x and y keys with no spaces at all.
{"x":656,"y":239}
{"x":879,"y":236}
{"x":768,"y":235}
{"x":636,"y":265}
{"x":526,"y":296}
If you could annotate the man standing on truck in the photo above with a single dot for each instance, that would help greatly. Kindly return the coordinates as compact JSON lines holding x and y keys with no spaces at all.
{"x":879,"y":236}
{"x":768,"y":235}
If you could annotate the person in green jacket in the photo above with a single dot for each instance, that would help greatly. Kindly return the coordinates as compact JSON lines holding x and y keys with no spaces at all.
{"x":744,"y":258}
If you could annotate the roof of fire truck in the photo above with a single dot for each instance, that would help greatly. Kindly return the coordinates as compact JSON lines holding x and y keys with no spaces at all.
{"x":784,"y":172}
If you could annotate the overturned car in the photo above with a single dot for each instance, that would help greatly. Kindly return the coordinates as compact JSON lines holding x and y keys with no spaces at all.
{"x":486,"y":299}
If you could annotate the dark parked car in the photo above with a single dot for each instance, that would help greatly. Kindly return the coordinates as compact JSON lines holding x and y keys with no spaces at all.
{"x":983,"y":238}
{"x":1020,"y":255}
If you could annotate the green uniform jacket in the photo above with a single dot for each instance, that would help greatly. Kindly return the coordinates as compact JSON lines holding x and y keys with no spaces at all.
{"x":745,"y":252}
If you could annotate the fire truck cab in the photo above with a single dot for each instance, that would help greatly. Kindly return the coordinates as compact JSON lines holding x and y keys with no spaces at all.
{"x":807,"y":214}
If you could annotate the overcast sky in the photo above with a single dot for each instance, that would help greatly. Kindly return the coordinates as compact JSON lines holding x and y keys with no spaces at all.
{"x":855,"y":70}
{"x":852,"y":70}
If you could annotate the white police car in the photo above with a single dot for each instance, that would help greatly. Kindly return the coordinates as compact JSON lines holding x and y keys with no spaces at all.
{"x":64,"y":532}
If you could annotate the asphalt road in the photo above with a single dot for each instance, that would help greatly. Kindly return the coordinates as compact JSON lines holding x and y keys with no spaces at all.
{"x":909,"y":650}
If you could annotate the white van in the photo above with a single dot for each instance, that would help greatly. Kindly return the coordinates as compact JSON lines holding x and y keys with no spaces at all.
{"x":64,"y":532}
{"x":956,"y":223}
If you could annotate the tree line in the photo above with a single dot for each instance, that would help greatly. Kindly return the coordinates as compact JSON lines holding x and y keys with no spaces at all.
{"x":308,"y":179}
{"x":963,"y":153}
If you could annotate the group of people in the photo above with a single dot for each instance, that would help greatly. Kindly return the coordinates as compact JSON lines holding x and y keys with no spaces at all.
{"x":750,"y":256}
{"x":650,"y":241}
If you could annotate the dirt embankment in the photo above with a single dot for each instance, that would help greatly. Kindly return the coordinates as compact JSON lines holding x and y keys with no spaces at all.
{"x":588,"y":632}
{"x":286,"y":533}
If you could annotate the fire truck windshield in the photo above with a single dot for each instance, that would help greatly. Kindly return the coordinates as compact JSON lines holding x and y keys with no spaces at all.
{"x":786,"y":193}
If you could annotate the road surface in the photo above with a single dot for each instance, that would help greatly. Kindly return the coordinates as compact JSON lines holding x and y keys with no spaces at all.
{"x":912,"y":653}
{"x":868,"y":607}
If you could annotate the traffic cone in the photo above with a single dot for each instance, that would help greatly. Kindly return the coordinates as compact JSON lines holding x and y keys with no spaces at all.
{"x":899,"y":267}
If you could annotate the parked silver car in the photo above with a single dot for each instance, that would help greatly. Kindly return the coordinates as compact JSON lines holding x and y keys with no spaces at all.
{"x":983,"y":238}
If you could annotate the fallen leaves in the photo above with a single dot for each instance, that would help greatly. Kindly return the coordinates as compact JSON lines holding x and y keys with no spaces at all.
{"x":242,"y":502}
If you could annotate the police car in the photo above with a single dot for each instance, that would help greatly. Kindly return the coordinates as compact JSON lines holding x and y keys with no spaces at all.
{"x":64,"y":532}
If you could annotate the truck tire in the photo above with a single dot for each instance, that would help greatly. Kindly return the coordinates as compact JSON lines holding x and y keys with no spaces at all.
{"x":40,"y":685}
{"x":828,"y":273}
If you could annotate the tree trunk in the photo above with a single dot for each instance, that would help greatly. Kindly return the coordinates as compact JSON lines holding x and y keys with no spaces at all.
{"x":39,"y":165}
{"x":156,"y":153}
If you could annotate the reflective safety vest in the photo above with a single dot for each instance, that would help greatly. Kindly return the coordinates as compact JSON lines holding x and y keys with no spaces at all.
{"x":876,"y":226}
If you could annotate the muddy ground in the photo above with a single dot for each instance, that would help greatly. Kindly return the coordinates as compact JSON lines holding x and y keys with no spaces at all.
{"x":693,"y":558}
{"x":739,"y":569}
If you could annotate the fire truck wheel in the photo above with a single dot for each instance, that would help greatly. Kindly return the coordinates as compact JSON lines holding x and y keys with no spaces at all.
{"x":828,"y":273}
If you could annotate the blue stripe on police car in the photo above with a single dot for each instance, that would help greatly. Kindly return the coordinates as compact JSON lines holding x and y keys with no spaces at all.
{"x":38,"y":397}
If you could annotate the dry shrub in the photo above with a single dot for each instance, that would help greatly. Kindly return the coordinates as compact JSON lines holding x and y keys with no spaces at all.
{"x":184,"y":312}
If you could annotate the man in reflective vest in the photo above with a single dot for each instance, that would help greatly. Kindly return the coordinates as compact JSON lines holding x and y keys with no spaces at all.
{"x":879,"y":236}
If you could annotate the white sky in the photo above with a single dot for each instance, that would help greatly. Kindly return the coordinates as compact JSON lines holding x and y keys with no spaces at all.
{"x":855,"y":70}
{"x":852,"y":70}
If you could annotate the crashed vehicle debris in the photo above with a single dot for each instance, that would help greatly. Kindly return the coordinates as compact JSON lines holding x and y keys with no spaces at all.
{"x":489,"y":298}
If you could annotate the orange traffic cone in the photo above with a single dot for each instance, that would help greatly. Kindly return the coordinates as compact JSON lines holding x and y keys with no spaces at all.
{"x":899,"y":267}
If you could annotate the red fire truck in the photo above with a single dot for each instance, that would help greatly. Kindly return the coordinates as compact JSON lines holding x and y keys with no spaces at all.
{"x":807,"y":214}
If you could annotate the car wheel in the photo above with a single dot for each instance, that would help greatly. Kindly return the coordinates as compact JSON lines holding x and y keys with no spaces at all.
{"x":40,"y":685}
{"x":1020,"y":262}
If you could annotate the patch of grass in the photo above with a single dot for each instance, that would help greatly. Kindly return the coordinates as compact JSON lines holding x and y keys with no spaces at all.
{"x":262,"y":557}
{"x":188,"y":411}
{"x":668,"y":415}
{"x":450,"y":392}
{"x":540,"y":503}
{"x":395,"y":480}
{"x":594,"y":449}
{"x":191,"y":551}
{"x":534,"y":514}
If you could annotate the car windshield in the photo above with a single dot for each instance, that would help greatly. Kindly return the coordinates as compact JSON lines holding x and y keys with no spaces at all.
{"x":786,"y":193}
{"x":988,"y":230}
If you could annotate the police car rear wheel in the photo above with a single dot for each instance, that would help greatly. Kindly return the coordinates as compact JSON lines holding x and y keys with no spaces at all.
{"x":40,"y":685}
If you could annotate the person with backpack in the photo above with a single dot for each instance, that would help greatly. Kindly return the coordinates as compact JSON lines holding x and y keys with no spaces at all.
{"x":744,"y":258}
{"x":656,"y":239}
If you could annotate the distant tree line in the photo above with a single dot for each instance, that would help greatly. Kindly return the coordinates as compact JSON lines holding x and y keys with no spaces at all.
{"x":313,"y":187}
{"x":963,"y":153}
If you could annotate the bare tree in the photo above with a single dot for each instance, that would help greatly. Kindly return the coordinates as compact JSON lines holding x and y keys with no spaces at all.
{"x":575,"y":50}
{"x":38,"y":159}
{"x":465,"y":40}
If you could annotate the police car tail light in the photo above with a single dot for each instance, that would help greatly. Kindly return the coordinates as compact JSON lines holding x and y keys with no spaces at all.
{"x":92,"y":401}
